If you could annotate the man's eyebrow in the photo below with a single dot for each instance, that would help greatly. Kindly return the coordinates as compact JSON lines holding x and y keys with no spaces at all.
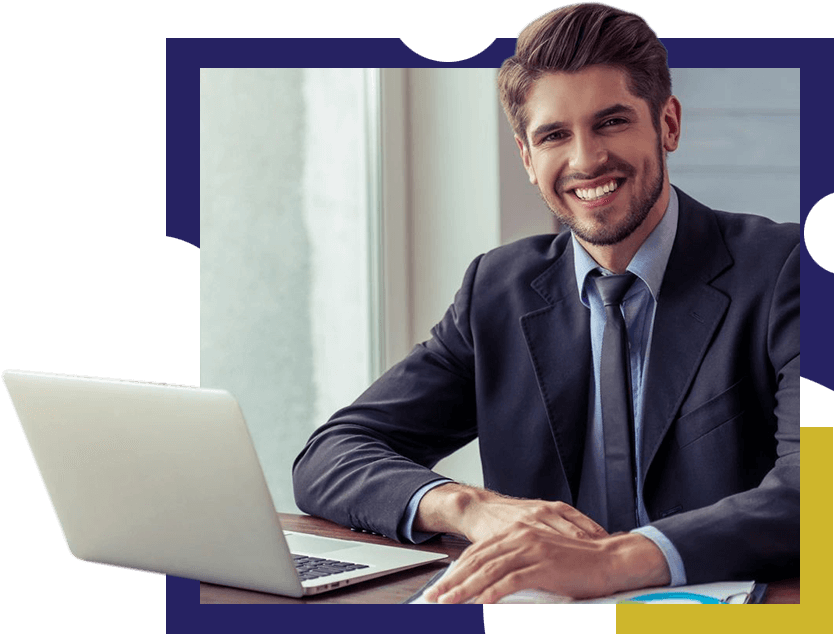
{"x":546,"y":128}
{"x":617,"y":108}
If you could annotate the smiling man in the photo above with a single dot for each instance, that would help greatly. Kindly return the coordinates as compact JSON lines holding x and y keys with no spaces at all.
{"x":633,"y":382}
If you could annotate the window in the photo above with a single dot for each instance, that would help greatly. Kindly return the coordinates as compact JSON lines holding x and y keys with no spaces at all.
{"x":287,"y":209}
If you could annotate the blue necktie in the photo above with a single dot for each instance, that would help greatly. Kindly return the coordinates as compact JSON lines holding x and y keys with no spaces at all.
{"x":616,"y":399}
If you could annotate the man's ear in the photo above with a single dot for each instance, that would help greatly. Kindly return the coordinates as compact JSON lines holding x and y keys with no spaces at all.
{"x":525,"y":158}
{"x":670,"y":124}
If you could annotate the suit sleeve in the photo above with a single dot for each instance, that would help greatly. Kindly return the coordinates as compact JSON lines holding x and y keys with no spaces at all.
{"x":362,"y":467}
{"x":755,"y":534}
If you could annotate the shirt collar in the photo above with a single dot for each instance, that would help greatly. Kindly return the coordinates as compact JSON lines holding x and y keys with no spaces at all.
{"x":649,"y":263}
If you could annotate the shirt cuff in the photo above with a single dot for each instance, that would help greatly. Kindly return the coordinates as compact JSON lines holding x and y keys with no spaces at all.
{"x":407,"y":520}
{"x":673,"y":558}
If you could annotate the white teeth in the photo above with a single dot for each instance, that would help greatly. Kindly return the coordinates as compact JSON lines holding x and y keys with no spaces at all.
{"x":597,"y":192}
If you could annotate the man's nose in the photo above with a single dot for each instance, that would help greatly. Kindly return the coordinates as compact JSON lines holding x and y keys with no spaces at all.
{"x":588,"y":154}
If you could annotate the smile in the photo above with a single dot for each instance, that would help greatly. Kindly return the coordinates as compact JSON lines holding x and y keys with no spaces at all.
{"x":595,"y":193}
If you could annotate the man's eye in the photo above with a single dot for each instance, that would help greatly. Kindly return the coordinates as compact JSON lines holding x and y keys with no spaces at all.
{"x":554,"y":136}
{"x":612,"y":122}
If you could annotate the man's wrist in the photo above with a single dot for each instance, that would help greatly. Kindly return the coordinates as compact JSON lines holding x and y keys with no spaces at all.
{"x":448,"y":508}
{"x":634,"y":561}
{"x":677,"y":570}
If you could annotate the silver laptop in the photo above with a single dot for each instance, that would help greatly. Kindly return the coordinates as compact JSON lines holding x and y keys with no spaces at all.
{"x":165,"y":478}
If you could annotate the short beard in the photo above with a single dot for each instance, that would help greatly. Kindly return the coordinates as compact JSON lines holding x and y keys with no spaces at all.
{"x":608,"y":235}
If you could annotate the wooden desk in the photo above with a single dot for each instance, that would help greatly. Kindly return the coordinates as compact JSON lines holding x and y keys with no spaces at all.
{"x":397,"y":587}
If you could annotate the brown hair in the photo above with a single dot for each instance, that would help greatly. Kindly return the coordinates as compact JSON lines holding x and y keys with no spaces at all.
{"x":573,"y":37}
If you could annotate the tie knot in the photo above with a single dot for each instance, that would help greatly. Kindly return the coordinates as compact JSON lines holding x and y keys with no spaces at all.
{"x":612,"y":288}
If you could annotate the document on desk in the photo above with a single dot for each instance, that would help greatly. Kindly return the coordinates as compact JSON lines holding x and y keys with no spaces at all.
{"x":724,"y":592}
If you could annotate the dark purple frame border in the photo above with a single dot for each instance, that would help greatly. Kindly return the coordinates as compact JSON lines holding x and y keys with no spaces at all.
{"x":186,"y":56}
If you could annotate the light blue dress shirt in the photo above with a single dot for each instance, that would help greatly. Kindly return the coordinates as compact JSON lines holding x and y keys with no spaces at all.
{"x":639,"y":303}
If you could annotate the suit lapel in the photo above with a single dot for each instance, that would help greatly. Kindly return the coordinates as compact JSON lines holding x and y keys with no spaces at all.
{"x":558,"y":341}
{"x":688,"y":312}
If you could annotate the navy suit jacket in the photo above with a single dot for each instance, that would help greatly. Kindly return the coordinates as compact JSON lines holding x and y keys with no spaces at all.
{"x":510,"y":364}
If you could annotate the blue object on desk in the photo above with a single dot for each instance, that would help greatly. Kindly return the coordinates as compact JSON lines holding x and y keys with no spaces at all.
{"x":665,"y":596}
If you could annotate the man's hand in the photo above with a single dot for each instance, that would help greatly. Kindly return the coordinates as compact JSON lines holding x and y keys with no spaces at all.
{"x":539,"y":558}
{"x":523,"y":544}
{"x":480,"y":515}
{"x":499,"y":514}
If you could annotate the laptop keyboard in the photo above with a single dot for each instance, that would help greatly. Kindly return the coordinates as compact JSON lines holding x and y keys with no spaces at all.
{"x":315,"y":567}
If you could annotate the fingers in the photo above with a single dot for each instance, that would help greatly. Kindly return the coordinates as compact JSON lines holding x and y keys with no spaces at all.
{"x":584,"y":523}
{"x":565,"y":520}
{"x":478,"y":568}
{"x":504,"y":572}
{"x":502,"y":576}
{"x":482,"y":565}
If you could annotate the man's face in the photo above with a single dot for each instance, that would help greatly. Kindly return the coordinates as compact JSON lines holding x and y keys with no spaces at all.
{"x":595,"y":154}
